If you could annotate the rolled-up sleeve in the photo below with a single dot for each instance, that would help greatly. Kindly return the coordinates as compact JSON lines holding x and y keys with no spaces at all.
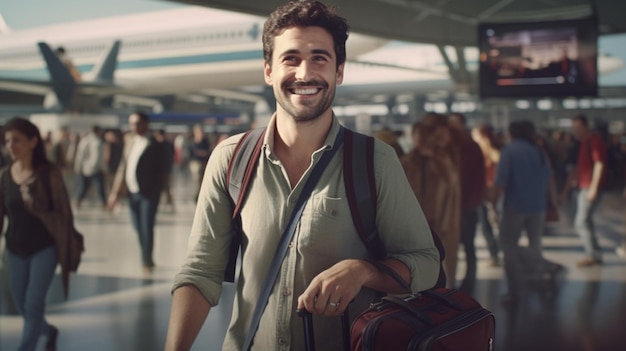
{"x":211,"y":231}
{"x":401,"y":223}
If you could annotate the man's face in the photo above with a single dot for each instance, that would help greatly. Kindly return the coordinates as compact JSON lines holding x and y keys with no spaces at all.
{"x":442,"y":136}
{"x":578,"y":129}
{"x":137,"y":125}
{"x":303,"y":72}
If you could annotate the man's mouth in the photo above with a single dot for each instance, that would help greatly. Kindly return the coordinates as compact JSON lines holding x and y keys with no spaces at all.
{"x":304,"y":90}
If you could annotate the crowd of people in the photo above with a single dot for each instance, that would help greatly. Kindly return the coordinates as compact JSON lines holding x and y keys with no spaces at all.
{"x":511,"y":182}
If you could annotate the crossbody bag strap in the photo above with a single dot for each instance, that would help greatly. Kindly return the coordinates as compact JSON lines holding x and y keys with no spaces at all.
{"x":286,"y":238}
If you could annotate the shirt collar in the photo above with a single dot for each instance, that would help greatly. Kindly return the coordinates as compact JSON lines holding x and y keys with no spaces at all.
{"x":268,"y":142}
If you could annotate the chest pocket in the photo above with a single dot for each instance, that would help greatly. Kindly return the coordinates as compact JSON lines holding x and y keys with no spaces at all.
{"x":326,"y":228}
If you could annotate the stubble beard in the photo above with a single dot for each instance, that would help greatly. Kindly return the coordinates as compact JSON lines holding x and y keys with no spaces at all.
{"x":309,"y":110}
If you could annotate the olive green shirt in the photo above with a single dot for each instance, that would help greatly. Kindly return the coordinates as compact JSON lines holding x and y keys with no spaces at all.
{"x":324,"y":236}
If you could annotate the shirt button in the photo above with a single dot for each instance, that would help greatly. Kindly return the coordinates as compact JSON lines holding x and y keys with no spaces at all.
{"x":290,"y":244}
{"x":333,"y":212}
{"x":286,"y":292}
{"x":281,"y":341}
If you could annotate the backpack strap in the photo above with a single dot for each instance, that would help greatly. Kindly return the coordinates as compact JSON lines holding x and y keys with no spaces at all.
{"x":247,"y":152}
{"x":360,"y":183}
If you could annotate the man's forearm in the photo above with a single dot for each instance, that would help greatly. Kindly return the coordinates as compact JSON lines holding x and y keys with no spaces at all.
{"x":596,"y":176}
{"x":381,"y":281}
{"x":188,"y":313}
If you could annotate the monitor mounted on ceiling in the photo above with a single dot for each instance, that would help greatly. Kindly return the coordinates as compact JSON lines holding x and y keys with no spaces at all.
{"x":538,"y":59}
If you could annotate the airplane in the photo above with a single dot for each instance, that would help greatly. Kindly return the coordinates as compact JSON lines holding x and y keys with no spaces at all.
{"x":173,"y":51}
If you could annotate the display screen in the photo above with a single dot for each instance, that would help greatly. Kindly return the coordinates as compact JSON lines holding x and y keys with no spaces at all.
{"x":538,"y":59}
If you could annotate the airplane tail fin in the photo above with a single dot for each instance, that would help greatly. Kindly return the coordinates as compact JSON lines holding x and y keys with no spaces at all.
{"x":104,"y":71}
{"x":63,"y":83}
{"x":4,"y":27}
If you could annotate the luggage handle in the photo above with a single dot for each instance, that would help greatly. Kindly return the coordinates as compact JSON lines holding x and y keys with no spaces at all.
{"x":450,"y":302}
{"x":307,"y":323}
{"x":421,"y":316}
{"x":431,"y":292}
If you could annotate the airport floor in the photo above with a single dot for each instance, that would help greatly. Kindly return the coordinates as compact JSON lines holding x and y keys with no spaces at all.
{"x":114,"y":306}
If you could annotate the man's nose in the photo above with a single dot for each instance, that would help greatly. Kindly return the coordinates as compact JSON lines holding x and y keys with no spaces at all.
{"x":304,"y":71}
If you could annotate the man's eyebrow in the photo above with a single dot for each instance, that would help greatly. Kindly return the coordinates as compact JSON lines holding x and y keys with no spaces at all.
{"x":314,"y":51}
{"x":322,"y":51}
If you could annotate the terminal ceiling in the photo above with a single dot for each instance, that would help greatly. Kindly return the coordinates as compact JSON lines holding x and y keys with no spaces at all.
{"x":445,"y":22}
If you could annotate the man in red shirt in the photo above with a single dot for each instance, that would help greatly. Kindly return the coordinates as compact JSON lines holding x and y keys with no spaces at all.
{"x":472,"y":175}
{"x":590,"y":171}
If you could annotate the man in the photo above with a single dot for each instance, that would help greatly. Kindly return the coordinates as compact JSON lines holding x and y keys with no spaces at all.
{"x":472,"y":174}
{"x":142,"y":173}
{"x":168,"y":146}
{"x":304,"y":53}
{"x":199,"y":151}
{"x":590,"y":170}
{"x":522,"y":176}
{"x":89,"y":165}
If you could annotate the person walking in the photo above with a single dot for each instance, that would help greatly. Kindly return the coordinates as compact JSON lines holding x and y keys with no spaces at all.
{"x":89,"y":165}
{"x":488,"y":215}
{"x":522,"y":177}
{"x":324,"y":268}
{"x":590,"y":177}
{"x":40,"y":229}
{"x":472,"y":176}
{"x":142,"y":173}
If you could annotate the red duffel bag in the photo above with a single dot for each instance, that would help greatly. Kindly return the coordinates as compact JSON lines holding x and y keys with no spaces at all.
{"x":438,"y":319}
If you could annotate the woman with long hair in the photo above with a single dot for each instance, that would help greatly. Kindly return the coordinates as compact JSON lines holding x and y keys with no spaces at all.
{"x":433,"y":173}
{"x":34,"y":199}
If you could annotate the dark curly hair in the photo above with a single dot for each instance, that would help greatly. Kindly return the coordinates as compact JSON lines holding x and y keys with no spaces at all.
{"x":305,"y":13}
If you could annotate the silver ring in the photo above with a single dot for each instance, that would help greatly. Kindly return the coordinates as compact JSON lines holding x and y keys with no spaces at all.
{"x":333,"y":304}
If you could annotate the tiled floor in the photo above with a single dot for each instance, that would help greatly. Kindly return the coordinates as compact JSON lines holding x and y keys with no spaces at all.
{"x":113,"y":306}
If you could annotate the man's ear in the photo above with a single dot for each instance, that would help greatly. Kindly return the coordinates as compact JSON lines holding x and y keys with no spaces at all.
{"x":340,"y":73}
{"x":267,"y":72}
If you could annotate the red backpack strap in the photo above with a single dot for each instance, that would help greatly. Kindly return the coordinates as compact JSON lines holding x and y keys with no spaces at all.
{"x":246,"y":153}
{"x":241,"y":168}
{"x":360,"y":183}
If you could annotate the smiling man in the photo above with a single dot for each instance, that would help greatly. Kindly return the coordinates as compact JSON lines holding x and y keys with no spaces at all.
{"x":324,"y":268}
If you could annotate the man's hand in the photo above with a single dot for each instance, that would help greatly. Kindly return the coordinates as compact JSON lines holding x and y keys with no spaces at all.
{"x":592,"y":194}
{"x":331,"y":291}
{"x":111,"y":202}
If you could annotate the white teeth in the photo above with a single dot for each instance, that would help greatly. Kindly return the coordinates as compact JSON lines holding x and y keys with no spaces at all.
{"x":305,"y":91}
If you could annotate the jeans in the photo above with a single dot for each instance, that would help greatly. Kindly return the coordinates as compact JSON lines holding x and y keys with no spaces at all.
{"x":29,"y":280}
{"x":143,"y":215}
{"x":583,"y":222}
{"x":484,"y":214}
{"x":469,"y":219}
{"x":84,"y":183}
{"x":511,"y":226}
